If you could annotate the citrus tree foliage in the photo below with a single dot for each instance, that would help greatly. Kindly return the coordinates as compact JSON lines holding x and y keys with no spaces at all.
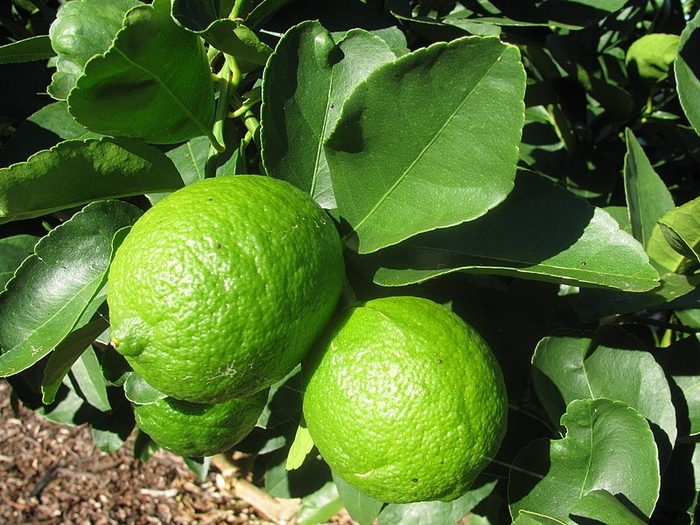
{"x":533,"y":164}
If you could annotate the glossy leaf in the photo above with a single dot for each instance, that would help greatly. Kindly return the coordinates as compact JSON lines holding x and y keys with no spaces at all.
{"x":540,"y":232}
{"x":76,"y":172}
{"x":648,"y":199}
{"x":675,"y":242}
{"x":532,"y":518}
{"x":26,"y":50}
{"x":138,"y":391}
{"x":82,"y":30}
{"x":52,"y":288}
{"x":14,"y":250}
{"x":88,"y":377}
{"x":569,"y":368}
{"x":687,"y":71}
{"x":137,"y":89}
{"x":305,"y":83}
{"x":409,"y":155}
{"x":435,"y":512}
{"x":603,"y":507}
{"x":608,"y":446}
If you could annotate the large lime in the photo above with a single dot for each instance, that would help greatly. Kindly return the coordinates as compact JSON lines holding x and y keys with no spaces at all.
{"x":404,"y":400}
{"x":192,"y":429}
{"x":220,"y":289}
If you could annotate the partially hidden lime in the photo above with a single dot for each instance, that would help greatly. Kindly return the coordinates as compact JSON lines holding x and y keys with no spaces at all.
{"x":196,"y":430}
{"x":404,"y":400}
{"x":221,"y":288}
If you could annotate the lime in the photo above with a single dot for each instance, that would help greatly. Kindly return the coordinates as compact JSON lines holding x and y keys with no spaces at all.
{"x":193,"y":429}
{"x":221,"y":288}
{"x":404,"y":400}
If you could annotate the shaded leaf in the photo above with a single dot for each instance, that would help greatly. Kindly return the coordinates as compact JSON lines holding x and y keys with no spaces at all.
{"x":14,"y":250}
{"x":608,"y":446}
{"x":363,"y":509}
{"x":52,"y":288}
{"x":675,"y":242}
{"x":532,"y":518}
{"x":138,"y":391}
{"x":540,"y":232}
{"x":687,"y":71}
{"x":138,"y":89}
{"x":320,"y":506}
{"x":76,"y":172}
{"x":648,"y":199}
{"x":651,"y":56}
{"x":603,"y":507}
{"x":305,"y":83}
{"x":428,"y":140}
{"x":87,"y":373}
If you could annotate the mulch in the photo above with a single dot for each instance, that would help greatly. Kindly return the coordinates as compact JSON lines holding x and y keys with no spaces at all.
{"x":51,"y":473}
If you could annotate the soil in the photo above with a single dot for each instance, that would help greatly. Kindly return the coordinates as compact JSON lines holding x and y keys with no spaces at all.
{"x":51,"y":473}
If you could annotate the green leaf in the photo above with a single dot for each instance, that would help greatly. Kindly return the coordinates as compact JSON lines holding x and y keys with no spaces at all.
{"x":138,"y":391}
{"x":541,"y":232}
{"x":320,"y":506}
{"x":76,"y":172}
{"x":363,"y":509}
{"x":533,"y":518}
{"x":570,"y":368}
{"x":428,"y":140}
{"x":14,"y":250}
{"x":602,"y":507}
{"x":27,"y":50}
{"x":675,"y":242}
{"x":687,"y":72}
{"x":648,"y":199}
{"x":153,"y":83}
{"x":651,"y":57}
{"x":52,"y":288}
{"x":87,"y":373}
{"x":608,"y":446}
{"x":435,"y":512}
{"x":304,"y":85}
{"x":55,"y":118}
{"x":82,"y":30}
{"x":301,"y":446}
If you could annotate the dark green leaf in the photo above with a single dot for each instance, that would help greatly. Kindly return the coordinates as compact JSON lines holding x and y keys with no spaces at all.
{"x":82,"y":30}
{"x":428,"y":140}
{"x":608,"y":446}
{"x":26,"y":50}
{"x":648,"y":199}
{"x":540,"y":232}
{"x":14,"y":250}
{"x":603,"y":507}
{"x":305,"y":83}
{"x":55,"y":118}
{"x":153,"y":83}
{"x":52,"y":288}
{"x":76,"y":172}
{"x":687,"y":71}
{"x":532,"y":518}
{"x":87,"y":373}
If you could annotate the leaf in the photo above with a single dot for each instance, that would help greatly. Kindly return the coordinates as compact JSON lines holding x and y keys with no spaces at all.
{"x":27,"y":50}
{"x":14,"y":250}
{"x":532,"y":518}
{"x":88,"y":376}
{"x":687,"y":71}
{"x":428,"y":140}
{"x":138,"y":391}
{"x":570,"y":368}
{"x":602,"y":507}
{"x":55,"y":118}
{"x":320,"y":506}
{"x":648,"y":199}
{"x":541,"y":232}
{"x":675,"y":242}
{"x":153,"y":83}
{"x":608,"y":446}
{"x":651,"y":56}
{"x":82,"y":29}
{"x":363,"y":509}
{"x":304,"y":85}
{"x":76,"y":172}
{"x":301,"y":446}
{"x":435,"y":512}
{"x":52,"y":288}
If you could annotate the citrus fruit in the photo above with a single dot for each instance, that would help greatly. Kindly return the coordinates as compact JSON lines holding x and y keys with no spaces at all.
{"x":220,"y":289}
{"x":404,"y":400}
{"x":194,"y":429}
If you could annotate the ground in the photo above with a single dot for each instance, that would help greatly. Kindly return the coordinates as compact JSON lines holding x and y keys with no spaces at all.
{"x":54,"y":474}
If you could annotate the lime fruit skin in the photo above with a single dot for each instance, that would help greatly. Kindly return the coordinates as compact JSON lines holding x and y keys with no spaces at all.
{"x":404,"y":400}
{"x":199,"y":430}
{"x":221,"y":288}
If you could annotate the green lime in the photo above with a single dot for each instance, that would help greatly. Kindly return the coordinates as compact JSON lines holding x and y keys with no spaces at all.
{"x":194,"y":429}
{"x":221,"y":288}
{"x":404,"y":400}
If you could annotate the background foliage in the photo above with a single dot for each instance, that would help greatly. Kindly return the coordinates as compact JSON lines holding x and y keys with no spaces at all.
{"x":533,"y":164}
